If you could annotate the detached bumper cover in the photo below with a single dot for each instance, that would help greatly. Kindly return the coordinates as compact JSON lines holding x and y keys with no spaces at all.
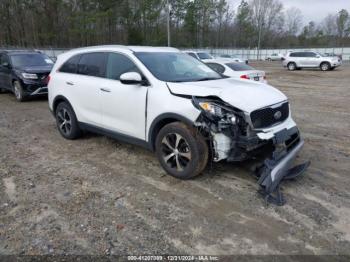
{"x":277,"y":169}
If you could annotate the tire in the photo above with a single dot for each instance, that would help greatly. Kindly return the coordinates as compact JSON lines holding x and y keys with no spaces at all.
{"x":332,"y":68}
{"x":325,"y":66}
{"x":292,"y":66}
{"x":18,"y":91}
{"x":67,"y":122}
{"x":181,"y":150}
{"x":2,"y":90}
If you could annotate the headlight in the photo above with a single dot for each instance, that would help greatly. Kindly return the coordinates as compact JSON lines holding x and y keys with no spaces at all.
{"x":29,"y":76}
{"x":211,"y":108}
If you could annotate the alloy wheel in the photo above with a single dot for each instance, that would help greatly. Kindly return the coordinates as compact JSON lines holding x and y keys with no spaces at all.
{"x":324,"y":67}
{"x":64,"y":121}
{"x":176,"y":151}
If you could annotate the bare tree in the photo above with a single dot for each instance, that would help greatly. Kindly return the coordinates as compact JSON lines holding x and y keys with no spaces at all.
{"x":293,"y":21}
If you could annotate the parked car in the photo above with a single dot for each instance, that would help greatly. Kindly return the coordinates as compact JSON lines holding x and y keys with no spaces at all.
{"x":199,"y":55}
{"x":235,"y":69}
{"x":274,"y":57}
{"x":308,"y":59}
{"x":175,"y":105}
{"x":235,"y":58}
{"x":25,"y":73}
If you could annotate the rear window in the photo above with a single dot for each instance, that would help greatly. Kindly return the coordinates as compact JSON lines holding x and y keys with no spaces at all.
{"x":71,"y":65}
{"x":93,"y":64}
{"x":239,"y":66}
{"x":204,"y":56}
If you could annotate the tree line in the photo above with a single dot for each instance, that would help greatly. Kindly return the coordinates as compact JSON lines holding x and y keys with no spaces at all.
{"x":193,"y":23}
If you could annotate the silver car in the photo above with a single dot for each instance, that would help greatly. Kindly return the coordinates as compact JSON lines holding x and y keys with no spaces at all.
{"x":308,"y":59}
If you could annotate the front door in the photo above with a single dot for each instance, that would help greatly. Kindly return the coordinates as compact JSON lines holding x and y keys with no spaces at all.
{"x":123,"y":106}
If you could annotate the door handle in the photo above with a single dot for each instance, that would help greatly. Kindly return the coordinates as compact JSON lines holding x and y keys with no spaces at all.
{"x":70,"y":83}
{"x":105,"y":90}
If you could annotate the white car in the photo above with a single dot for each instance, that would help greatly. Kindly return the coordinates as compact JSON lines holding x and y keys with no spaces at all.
{"x":199,"y":55}
{"x":175,"y":105}
{"x":274,"y":57}
{"x":308,"y":59}
{"x":237,"y":70}
{"x":233,"y":58}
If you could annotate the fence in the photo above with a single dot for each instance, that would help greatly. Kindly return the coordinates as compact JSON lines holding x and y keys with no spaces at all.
{"x":251,"y":54}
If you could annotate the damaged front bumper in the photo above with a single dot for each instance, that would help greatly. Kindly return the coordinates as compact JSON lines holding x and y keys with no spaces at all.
{"x":277,"y":169}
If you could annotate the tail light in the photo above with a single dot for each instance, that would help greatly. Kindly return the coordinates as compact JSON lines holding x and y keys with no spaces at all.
{"x":244,"y":77}
{"x":265,"y":77}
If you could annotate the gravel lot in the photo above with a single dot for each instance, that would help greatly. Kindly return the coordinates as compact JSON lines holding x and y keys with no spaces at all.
{"x":99,"y":196}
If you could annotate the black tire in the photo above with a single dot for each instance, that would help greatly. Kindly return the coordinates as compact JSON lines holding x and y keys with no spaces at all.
{"x":332,"y":68}
{"x":291,"y":66}
{"x":18,"y":91}
{"x":67,"y":122}
{"x":325,"y":66}
{"x":2,"y":90}
{"x":189,"y":157}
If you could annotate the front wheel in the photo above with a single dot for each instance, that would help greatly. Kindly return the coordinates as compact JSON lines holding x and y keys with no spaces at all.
{"x":19,"y":92}
{"x":325,"y":66}
{"x":292,"y":66}
{"x":181,"y":150}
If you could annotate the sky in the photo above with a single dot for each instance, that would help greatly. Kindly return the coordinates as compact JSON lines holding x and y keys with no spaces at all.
{"x":312,"y":10}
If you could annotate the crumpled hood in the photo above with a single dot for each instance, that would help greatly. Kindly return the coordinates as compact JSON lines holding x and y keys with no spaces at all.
{"x":242,"y":94}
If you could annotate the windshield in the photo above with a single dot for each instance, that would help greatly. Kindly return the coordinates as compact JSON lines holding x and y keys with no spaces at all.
{"x":239,"y":67}
{"x":176,"y":67}
{"x":22,"y":60}
{"x":204,"y":56}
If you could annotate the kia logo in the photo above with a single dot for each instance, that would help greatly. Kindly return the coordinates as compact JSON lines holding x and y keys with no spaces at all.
{"x":277,"y":115}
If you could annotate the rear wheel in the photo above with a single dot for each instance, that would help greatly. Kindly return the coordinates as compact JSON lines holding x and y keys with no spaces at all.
{"x":181,"y":150}
{"x":325,"y":66}
{"x":67,"y":122}
{"x":292,"y":66}
{"x":19,"y":92}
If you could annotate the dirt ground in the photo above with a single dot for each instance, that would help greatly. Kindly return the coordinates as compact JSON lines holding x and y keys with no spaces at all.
{"x":99,"y":196}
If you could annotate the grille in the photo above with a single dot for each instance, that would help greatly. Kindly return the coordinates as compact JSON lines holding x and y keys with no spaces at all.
{"x":269,"y":116}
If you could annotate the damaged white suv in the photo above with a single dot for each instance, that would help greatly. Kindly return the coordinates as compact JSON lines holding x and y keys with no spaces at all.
{"x":178,"y":107}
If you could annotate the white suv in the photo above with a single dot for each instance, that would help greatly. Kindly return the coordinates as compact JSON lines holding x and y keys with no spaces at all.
{"x":298,"y":60}
{"x":175,"y":105}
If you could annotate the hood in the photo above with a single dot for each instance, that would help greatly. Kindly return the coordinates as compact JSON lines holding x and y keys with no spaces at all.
{"x":242,"y":94}
{"x":35,"y":69}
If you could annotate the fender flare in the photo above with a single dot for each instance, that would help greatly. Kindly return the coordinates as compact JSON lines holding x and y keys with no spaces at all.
{"x":161,"y":121}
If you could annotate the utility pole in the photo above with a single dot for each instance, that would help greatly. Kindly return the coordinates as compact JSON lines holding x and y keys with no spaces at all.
{"x":168,"y":21}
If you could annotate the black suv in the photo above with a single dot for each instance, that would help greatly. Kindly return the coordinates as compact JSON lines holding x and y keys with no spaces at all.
{"x":25,"y":73}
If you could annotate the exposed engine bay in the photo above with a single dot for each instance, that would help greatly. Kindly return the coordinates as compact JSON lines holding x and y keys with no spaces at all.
{"x":234,"y":138}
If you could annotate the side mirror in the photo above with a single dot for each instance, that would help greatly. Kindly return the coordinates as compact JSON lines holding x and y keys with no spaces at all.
{"x":131,"y":78}
{"x":6,"y":64}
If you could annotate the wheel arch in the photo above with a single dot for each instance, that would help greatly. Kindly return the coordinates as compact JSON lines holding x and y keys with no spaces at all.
{"x":160,"y":121}
{"x":59,"y":99}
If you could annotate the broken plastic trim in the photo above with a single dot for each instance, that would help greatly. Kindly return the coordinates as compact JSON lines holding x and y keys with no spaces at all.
{"x":277,"y":169}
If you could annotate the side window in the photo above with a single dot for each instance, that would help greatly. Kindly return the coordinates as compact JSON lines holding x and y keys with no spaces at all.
{"x":4,"y":59}
{"x":71,"y":65}
{"x":92,"y":64}
{"x":118,"y":64}
{"x":216,"y":67}
{"x":193,"y":55}
{"x":311,"y":54}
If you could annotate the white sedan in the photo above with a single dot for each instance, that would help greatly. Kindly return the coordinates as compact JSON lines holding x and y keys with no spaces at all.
{"x":236,"y":70}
